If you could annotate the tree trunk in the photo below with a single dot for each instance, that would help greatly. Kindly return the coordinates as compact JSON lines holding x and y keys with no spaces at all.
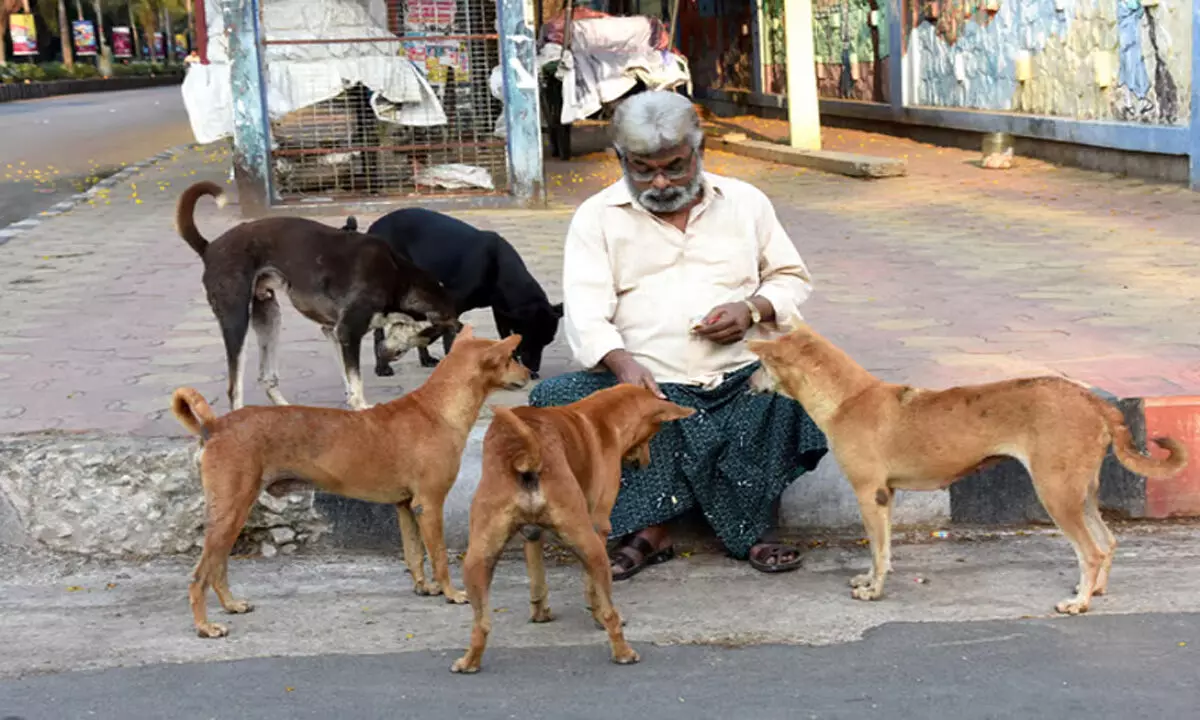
{"x":78,"y":10}
{"x":191,"y":24}
{"x":64,"y":33}
{"x":99,"y":25}
{"x":168,"y":41}
{"x":137,"y":41}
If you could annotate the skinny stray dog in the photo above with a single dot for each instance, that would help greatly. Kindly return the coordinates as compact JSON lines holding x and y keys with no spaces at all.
{"x":405,"y":452}
{"x":894,"y":437}
{"x":559,"y":469}
{"x":347,"y":283}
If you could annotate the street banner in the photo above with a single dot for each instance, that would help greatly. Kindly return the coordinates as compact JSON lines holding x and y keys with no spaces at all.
{"x":122,"y":42}
{"x":85,"y":37}
{"x":23,"y":33}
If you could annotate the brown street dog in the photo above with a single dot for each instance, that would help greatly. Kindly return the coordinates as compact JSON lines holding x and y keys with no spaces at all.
{"x":558,"y":469}
{"x":405,"y":452}
{"x":893,"y":437}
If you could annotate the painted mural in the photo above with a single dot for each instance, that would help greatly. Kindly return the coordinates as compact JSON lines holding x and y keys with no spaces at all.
{"x":850,"y":44}
{"x":1127,"y":60}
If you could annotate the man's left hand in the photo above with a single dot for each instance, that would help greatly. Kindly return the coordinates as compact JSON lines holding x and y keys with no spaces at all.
{"x":725,"y":324}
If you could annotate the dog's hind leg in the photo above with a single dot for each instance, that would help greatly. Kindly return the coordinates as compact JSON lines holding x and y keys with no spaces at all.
{"x":535,"y":567}
{"x":487,"y":542}
{"x":414,"y":550}
{"x":590,"y":549}
{"x":1064,"y":493}
{"x":1103,"y":535}
{"x":875,"y":500}
{"x":233,"y":315}
{"x":226,"y":514}
{"x":266,"y":320}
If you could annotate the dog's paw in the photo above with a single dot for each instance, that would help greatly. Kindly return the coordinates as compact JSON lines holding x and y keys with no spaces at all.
{"x":430,"y":363}
{"x":463,"y":666}
{"x":866,"y":592}
{"x":1072,"y":607}
{"x":239,"y":607}
{"x":426,"y":588}
{"x":627,"y":657}
{"x":212,"y":630}
{"x":457,"y":597}
{"x":1096,"y":592}
{"x":862,"y":580}
{"x":540,"y":614}
{"x":385,"y":371}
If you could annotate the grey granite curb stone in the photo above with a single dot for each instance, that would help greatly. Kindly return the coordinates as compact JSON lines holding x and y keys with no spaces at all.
{"x":129,"y":171}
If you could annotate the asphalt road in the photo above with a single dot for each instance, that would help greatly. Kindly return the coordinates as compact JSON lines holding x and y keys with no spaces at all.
{"x":1119,"y":666}
{"x":50,"y":148}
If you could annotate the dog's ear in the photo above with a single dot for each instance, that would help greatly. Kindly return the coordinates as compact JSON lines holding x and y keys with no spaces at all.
{"x":466,"y":331}
{"x":351,"y":224}
{"x":557,"y":309}
{"x":668,"y":411}
{"x":761,"y":348}
{"x":508,"y":345}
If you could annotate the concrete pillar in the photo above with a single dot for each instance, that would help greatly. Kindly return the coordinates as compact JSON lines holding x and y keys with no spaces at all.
{"x":251,"y":133}
{"x":1194,"y":124}
{"x":522,"y":113}
{"x":804,"y":114}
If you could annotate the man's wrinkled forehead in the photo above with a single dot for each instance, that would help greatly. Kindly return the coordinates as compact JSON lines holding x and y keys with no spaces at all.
{"x":662,"y":157}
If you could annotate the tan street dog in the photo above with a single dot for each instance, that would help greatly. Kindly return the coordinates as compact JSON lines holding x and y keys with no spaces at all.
{"x":558,"y":469}
{"x":405,"y":452}
{"x":893,"y":437}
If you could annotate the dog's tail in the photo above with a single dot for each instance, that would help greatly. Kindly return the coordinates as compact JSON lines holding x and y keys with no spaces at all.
{"x":526,"y":457}
{"x":1129,"y":455}
{"x":185,"y":213}
{"x":193,"y":412}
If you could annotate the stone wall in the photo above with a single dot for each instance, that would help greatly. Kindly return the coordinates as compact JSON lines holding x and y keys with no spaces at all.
{"x":1088,"y":59}
{"x":108,"y":495}
{"x":850,"y":46}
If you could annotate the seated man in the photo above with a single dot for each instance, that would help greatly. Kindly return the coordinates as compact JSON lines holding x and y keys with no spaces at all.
{"x":664,"y":274}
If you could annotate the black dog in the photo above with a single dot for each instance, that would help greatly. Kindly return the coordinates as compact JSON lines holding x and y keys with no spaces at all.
{"x":479,"y":269}
{"x":346,"y":283}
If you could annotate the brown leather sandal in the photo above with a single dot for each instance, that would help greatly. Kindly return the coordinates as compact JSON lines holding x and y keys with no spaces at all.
{"x":769,"y":557}
{"x":630,"y":558}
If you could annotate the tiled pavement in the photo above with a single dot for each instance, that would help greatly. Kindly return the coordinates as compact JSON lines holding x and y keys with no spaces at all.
{"x":952,"y":274}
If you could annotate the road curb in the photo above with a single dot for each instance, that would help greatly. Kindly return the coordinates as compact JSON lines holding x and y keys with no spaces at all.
{"x":13,"y":92}
{"x":853,"y":165}
{"x":129,"y":171}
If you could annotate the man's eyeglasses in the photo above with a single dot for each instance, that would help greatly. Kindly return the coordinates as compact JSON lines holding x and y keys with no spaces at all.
{"x":677,"y":169}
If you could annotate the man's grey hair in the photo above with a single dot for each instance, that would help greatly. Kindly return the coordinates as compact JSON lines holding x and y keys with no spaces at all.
{"x":651,"y":122}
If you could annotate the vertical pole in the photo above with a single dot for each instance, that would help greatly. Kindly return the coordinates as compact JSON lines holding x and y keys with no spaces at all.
{"x":1194,"y":123}
{"x":251,"y":134}
{"x":804,"y":115}
{"x":522,"y":114}
{"x":757,"y":58}
{"x":895,"y":9}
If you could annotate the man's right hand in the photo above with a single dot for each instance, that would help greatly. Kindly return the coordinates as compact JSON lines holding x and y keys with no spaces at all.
{"x":630,"y":371}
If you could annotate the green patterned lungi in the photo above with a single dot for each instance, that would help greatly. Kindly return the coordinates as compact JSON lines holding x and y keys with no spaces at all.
{"x":733,"y":458}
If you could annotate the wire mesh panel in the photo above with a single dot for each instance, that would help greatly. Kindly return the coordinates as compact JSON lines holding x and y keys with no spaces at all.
{"x":386,"y":97}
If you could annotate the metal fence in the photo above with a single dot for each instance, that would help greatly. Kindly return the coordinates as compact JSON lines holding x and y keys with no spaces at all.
{"x":365,"y":142}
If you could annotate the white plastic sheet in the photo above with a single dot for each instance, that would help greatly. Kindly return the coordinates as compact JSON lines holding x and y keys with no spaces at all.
{"x":298,"y":76}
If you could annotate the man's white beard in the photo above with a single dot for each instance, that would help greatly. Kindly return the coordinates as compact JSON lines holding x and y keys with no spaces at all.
{"x":670,"y":199}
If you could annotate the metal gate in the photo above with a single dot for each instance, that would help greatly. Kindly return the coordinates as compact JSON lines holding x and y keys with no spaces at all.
{"x":342,"y":64}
